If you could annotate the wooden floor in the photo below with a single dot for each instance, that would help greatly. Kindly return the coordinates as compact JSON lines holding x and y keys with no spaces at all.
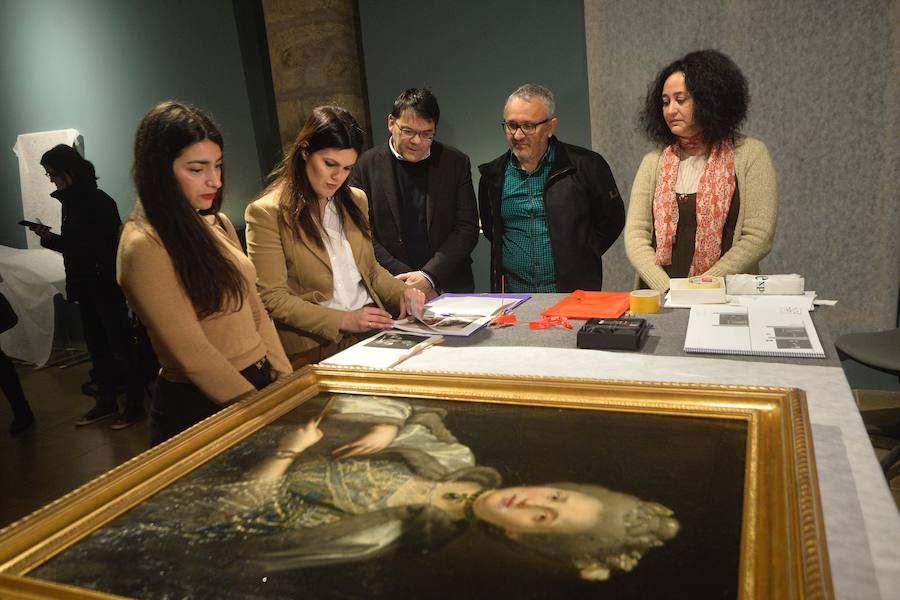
{"x":55,"y":457}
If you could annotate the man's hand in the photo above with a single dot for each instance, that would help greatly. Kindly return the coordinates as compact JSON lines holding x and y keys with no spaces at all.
{"x":411,"y":296}
{"x":418,"y":280}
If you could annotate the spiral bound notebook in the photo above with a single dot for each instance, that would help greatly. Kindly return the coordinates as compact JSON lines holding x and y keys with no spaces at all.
{"x":752,"y":330}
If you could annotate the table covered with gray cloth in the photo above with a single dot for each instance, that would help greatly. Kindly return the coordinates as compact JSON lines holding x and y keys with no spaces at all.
{"x":862,"y":523}
{"x":666,"y":334}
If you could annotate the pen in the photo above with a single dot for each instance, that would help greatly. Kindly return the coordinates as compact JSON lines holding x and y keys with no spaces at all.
{"x":417,"y":349}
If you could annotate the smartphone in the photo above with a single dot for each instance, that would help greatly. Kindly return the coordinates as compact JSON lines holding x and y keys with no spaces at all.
{"x":33,"y":224}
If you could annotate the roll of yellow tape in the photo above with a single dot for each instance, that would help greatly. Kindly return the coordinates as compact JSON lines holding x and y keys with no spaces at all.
{"x":644,"y":301}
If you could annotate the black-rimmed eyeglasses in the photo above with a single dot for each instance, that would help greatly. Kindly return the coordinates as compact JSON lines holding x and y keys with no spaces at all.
{"x":409,"y":133}
{"x":511,"y":127}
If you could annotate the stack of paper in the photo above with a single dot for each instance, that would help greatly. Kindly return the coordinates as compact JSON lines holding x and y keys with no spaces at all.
{"x":383,"y":350}
{"x":460,"y":314}
{"x":755,"y":329}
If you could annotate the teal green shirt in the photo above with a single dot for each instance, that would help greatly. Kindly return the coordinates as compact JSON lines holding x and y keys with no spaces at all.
{"x":527,"y":258}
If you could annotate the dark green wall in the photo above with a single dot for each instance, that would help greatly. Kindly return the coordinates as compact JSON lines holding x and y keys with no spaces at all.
{"x":472,"y":54}
{"x":99,"y":65}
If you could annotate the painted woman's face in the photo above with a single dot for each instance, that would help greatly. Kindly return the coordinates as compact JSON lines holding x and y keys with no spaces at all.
{"x":327,"y":169}
{"x":198,"y":171}
{"x":678,"y":107}
{"x":539,"y":510}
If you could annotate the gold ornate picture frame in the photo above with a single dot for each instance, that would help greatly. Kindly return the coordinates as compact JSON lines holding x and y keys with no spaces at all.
{"x":734,"y":463}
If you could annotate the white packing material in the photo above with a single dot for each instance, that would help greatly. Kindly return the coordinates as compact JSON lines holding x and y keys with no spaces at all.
{"x":34,"y":185}
{"x":31,"y":278}
{"x":743,"y":283}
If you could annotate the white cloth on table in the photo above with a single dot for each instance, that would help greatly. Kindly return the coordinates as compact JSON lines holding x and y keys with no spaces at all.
{"x":31,"y":278}
{"x":831,"y":408}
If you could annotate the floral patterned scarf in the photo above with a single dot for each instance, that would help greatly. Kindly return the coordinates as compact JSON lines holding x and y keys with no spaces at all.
{"x":714,"y":193}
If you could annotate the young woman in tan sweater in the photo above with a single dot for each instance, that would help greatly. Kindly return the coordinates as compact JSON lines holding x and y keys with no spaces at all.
{"x":183,"y":272}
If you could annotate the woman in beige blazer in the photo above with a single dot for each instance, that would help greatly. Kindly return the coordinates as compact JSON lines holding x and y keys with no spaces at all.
{"x":310,"y":241}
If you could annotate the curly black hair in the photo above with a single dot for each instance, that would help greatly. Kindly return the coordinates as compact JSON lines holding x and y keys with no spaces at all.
{"x":720,"y":97}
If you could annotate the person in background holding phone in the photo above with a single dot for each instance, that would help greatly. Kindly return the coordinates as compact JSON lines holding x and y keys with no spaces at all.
{"x":88,"y":241}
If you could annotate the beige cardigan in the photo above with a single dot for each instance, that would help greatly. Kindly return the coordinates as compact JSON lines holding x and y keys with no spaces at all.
{"x":753,"y":232}
{"x":209,"y":353}
{"x":295,"y":275}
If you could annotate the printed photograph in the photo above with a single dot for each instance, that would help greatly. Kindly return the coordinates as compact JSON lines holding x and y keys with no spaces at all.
{"x":790,"y":332}
{"x":793,"y":343}
{"x":398,"y":341}
{"x":734,"y":320}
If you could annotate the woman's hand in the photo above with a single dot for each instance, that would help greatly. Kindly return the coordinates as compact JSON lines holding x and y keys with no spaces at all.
{"x":301,"y":438}
{"x":366,"y":319}
{"x":378,"y":438}
{"x":411,"y":295}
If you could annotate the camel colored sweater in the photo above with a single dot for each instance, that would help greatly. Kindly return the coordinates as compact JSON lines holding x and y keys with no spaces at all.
{"x":210,"y":353}
{"x":753,"y":232}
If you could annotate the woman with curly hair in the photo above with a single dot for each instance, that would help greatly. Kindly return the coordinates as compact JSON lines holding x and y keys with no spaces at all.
{"x":184,"y":273}
{"x":705,"y":202}
{"x":308,"y":235}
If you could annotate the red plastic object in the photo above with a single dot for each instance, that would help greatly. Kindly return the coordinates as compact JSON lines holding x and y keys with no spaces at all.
{"x":590,"y":305}
{"x":505,"y":319}
{"x":551,"y":321}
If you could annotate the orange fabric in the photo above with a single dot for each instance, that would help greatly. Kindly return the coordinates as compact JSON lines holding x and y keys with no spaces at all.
{"x":590,"y":305}
{"x":714,"y":193}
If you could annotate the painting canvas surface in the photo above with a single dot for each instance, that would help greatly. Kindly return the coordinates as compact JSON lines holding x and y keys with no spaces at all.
{"x":259,"y":521}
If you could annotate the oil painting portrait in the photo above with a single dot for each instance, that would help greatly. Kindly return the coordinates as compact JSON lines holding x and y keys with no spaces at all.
{"x":371,"y":496}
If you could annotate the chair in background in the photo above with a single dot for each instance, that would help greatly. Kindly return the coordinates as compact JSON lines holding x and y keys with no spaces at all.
{"x":880,"y":410}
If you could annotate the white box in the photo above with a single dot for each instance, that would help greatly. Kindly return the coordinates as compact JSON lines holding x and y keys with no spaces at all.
{"x":702,"y":289}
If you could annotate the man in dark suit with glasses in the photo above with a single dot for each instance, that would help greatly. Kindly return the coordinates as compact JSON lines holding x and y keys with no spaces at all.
{"x":421,"y":200}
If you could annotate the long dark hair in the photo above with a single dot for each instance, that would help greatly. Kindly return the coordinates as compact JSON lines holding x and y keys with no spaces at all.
{"x":65,"y":160}
{"x":720,"y":96}
{"x":211,"y":281}
{"x":326,"y":127}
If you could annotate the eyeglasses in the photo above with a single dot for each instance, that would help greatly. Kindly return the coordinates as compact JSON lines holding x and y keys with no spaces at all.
{"x":409,"y":133}
{"x":511,"y":127}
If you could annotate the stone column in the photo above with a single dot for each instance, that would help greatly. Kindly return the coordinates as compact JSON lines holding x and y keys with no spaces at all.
{"x":316,"y":59}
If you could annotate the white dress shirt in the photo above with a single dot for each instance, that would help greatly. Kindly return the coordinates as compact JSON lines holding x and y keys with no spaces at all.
{"x":349,"y":293}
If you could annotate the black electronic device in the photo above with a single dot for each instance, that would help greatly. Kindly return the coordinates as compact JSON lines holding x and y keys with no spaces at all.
{"x":32,"y":224}
{"x":613,"y":334}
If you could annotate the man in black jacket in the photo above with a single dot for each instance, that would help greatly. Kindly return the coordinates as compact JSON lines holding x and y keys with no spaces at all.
{"x":421,"y":200}
{"x":549,"y":209}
